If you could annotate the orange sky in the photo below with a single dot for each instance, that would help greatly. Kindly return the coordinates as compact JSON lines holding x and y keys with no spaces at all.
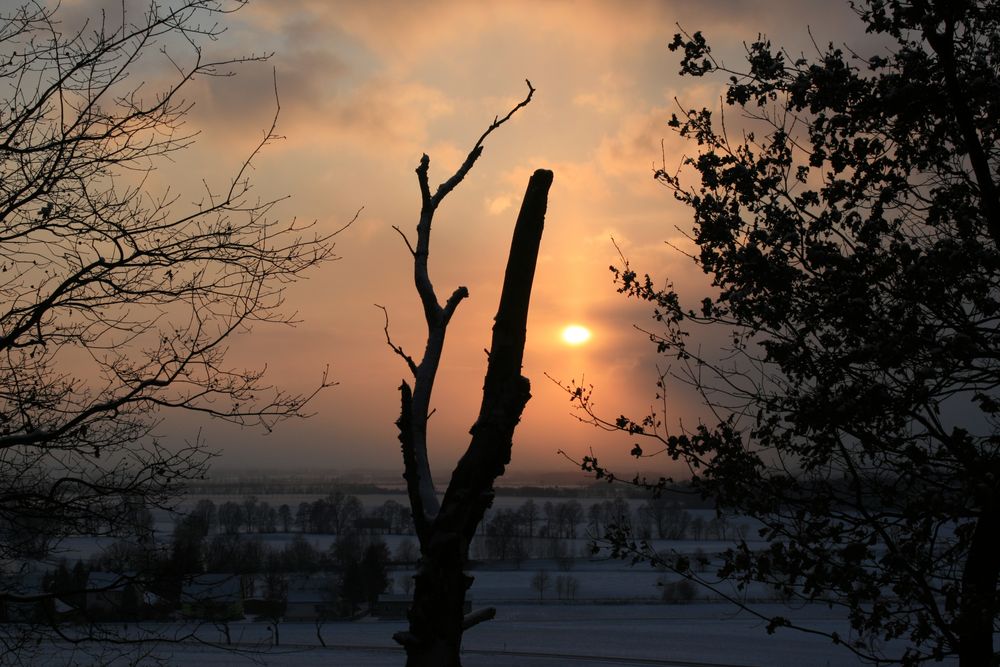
{"x":365,"y":88}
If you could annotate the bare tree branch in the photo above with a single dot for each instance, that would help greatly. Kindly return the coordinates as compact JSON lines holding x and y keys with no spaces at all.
{"x":406,"y":240}
{"x":118,"y":301}
{"x":395,"y":348}
{"x":436,"y":315}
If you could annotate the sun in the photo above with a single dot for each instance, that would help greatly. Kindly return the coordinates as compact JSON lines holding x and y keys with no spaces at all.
{"x":575,"y":334}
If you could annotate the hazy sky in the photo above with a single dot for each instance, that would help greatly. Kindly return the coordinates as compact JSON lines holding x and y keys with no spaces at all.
{"x":365,"y":89}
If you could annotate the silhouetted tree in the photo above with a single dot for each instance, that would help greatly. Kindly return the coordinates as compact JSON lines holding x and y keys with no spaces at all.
{"x":207,"y":513}
{"x":285,"y":517}
{"x":569,"y":514}
{"x":566,"y":587}
{"x":529,"y":515}
{"x":127,"y":555}
{"x":275,"y":598}
{"x":69,"y":585}
{"x":670,"y":521}
{"x":541,"y":582}
{"x":347,"y":549}
{"x":268,"y":519}
{"x":118,"y":300}
{"x":374,"y":571}
{"x":251,"y":513}
{"x":595,"y":519}
{"x":231,"y":517}
{"x":187,"y":550}
{"x":851,"y":229}
{"x":300,"y":555}
{"x":504,"y":536}
{"x":365,"y":574}
{"x":336,"y":513}
{"x":222,"y":552}
{"x":396,"y":515}
{"x":302,"y":517}
{"x":446,"y":527}
{"x":406,"y":551}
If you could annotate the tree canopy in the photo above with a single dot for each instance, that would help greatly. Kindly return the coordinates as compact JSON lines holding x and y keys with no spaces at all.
{"x":849,"y":220}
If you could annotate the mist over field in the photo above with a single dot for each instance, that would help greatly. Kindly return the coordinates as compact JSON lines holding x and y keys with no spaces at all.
{"x":560,"y":600}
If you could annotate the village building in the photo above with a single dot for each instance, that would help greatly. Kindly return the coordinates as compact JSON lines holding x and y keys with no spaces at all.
{"x":212,"y":596}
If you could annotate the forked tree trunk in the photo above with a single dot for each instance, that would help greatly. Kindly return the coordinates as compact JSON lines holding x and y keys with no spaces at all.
{"x":437,"y":618}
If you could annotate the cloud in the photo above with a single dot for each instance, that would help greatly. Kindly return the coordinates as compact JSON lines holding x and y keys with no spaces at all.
{"x":498,"y":205}
{"x":366,"y":88}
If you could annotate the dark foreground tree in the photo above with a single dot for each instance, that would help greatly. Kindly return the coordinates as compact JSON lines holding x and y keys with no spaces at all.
{"x":851,"y":226}
{"x":117,"y":298}
{"x":446,"y":527}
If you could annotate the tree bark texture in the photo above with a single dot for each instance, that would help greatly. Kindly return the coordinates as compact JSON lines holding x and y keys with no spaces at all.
{"x":437,"y":618}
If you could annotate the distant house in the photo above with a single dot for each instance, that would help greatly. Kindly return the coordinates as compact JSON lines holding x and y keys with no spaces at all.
{"x":115,"y":595}
{"x":305,"y":606}
{"x":212,"y":596}
{"x":312,"y":597}
{"x":112,"y":594}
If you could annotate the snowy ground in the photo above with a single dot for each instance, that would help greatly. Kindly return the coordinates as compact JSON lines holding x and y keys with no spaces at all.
{"x":617,"y":618}
{"x":544,"y":635}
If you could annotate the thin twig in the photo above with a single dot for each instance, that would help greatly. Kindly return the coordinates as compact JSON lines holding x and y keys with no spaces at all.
{"x":350,"y":222}
{"x":474,"y":154}
{"x":396,"y":348}
{"x":405,"y":240}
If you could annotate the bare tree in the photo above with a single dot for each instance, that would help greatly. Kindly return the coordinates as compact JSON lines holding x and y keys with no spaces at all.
{"x":540,"y":582}
{"x":445,"y":528}
{"x":117,"y":300}
{"x":505,"y":536}
{"x":566,"y":587}
{"x":529,"y":515}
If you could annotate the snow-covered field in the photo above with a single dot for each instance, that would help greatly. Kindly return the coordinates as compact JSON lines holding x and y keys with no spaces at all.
{"x":616,"y":617}
{"x":542,"y":635}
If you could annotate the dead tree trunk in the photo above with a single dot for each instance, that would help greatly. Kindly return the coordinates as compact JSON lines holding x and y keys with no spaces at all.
{"x":445,"y":529}
{"x":437,"y":620}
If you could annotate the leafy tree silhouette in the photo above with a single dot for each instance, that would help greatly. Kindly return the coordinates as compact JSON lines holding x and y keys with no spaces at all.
{"x":852,"y":231}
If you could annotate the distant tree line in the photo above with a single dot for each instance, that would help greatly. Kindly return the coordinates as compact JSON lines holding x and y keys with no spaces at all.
{"x":540,"y":531}
{"x":227,"y":538}
{"x":355,"y":566}
{"x":264,"y":486}
{"x":334,"y":514}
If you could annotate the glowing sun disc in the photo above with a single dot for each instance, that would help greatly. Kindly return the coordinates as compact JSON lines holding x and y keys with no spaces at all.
{"x":575,"y":334}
